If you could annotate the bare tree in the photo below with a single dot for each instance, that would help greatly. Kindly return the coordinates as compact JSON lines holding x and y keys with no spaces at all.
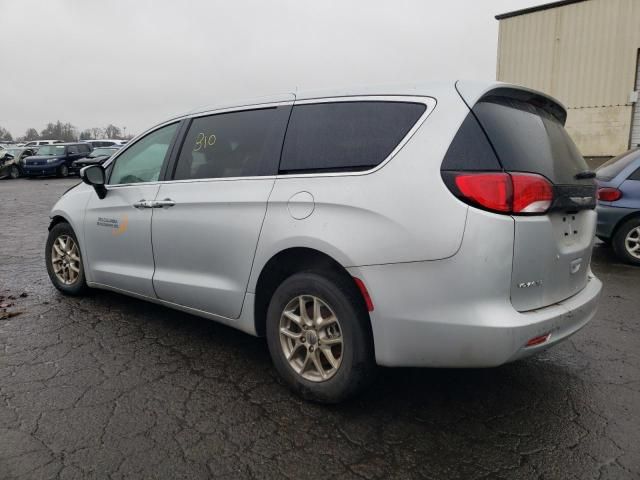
{"x":96,"y":132}
{"x":31,"y":134}
{"x":112,"y":131}
{"x":85,"y":134}
{"x":5,"y":135}
{"x":60,"y":131}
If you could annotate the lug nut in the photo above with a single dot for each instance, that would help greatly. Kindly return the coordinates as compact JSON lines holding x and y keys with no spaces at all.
{"x":311,"y":349}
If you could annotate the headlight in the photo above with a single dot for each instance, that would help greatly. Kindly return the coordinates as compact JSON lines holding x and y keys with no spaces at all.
{"x":52,"y":160}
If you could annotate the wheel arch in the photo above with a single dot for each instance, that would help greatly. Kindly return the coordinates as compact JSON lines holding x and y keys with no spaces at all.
{"x":56,"y":219}
{"x":624,"y":220}
{"x":286,"y":263}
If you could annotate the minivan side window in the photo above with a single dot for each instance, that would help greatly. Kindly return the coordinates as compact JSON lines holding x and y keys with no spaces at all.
{"x":243,"y":143}
{"x":345,"y":136}
{"x":143,"y":160}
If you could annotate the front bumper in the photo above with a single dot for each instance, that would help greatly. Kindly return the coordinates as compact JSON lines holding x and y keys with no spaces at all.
{"x":434,"y":324}
{"x":609,"y":217}
{"x":39,"y":170}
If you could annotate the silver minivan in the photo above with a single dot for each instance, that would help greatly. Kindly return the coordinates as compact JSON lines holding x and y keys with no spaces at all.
{"x":445,"y":225}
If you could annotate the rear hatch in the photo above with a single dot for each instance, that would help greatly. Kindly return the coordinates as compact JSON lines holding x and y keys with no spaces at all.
{"x":552,"y":248}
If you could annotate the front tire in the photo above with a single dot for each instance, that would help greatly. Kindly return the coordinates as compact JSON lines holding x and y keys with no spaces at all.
{"x":319,"y":337}
{"x":626,"y":241}
{"x":14,"y":172}
{"x":64,"y":260}
{"x":63,"y":171}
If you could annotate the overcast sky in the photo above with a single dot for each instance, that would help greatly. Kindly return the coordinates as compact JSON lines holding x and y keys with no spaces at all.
{"x":135,"y":63}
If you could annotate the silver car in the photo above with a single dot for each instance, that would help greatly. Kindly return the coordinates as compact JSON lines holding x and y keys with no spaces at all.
{"x":446,"y":225}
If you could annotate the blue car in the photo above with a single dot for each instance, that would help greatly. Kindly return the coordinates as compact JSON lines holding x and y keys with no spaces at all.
{"x":54,"y":159}
{"x":619,"y":205}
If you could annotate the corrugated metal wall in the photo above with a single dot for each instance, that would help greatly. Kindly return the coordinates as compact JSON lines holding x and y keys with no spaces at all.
{"x":584,"y":54}
{"x":635,"y":121}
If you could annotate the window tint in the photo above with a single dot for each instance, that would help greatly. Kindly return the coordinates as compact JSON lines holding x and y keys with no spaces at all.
{"x":340,"y":136}
{"x":235,"y":144}
{"x":611,"y":169}
{"x":635,"y":175}
{"x":470,"y":149}
{"x":143,"y":160}
{"x":527,"y":138}
{"x":84,"y":148}
{"x":73,"y":149}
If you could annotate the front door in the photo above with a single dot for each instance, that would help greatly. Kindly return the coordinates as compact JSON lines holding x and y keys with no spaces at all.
{"x":118,"y":227}
{"x":206,"y":230}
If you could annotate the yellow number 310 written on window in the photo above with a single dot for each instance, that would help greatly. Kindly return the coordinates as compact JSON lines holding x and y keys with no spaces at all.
{"x":203,"y":141}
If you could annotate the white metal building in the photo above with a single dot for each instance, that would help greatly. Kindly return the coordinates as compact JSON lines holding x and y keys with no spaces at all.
{"x":586,"y":54}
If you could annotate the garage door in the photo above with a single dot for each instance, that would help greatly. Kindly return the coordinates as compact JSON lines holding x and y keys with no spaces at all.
{"x":635,"y":123}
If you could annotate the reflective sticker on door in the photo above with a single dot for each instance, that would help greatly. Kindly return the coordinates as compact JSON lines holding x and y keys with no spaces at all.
{"x":118,"y":227}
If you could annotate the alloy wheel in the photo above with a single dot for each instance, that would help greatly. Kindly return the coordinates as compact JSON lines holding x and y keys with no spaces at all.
{"x":65,"y":259}
{"x":311,"y":338}
{"x":632,"y":242}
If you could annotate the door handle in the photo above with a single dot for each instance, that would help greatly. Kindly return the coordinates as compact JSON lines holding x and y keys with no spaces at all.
{"x":143,"y":204}
{"x":166,"y":203}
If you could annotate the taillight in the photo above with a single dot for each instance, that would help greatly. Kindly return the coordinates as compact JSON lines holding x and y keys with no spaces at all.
{"x":531,"y":193}
{"x":608,"y":194}
{"x":517,"y":193}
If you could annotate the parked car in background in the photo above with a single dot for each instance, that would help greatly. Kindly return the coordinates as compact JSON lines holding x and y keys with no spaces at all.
{"x":619,"y":205}
{"x":105,"y":142}
{"x":37,"y":143}
{"x":447,"y":225}
{"x":97,"y":157}
{"x":10,"y":161}
{"x":54,"y":159}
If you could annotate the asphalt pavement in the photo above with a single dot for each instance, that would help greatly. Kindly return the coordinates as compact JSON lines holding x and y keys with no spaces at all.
{"x":111,"y":387}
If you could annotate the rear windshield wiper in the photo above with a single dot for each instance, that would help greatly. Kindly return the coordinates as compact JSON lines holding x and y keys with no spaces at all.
{"x":586,"y":174}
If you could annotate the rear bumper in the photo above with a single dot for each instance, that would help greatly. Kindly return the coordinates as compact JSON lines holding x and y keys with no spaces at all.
{"x":435,"y":324}
{"x":609,"y":217}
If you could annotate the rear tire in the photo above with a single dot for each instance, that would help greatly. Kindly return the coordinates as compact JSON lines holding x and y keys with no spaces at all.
{"x":333,"y":336}
{"x":64,"y":260}
{"x":626,"y":241}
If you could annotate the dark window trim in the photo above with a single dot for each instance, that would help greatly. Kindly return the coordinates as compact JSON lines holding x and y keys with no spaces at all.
{"x":168,"y":169}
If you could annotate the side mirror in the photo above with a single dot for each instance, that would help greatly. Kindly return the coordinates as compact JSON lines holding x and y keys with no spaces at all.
{"x":94,"y":175}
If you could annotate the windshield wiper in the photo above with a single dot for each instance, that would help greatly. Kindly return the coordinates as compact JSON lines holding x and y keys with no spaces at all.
{"x":586,"y":174}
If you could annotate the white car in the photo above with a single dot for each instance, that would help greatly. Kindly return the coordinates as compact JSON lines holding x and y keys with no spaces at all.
{"x":38,"y":143}
{"x":446,"y":225}
{"x":104,"y":142}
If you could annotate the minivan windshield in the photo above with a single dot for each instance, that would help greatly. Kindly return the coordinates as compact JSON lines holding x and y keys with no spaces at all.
{"x":51,"y":150}
{"x":609,"y":170}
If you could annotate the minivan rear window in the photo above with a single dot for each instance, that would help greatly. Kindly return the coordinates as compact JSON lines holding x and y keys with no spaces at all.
{"x":528,"y":138}
{"x":609,"y":170}
{"x":345,"y":136}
